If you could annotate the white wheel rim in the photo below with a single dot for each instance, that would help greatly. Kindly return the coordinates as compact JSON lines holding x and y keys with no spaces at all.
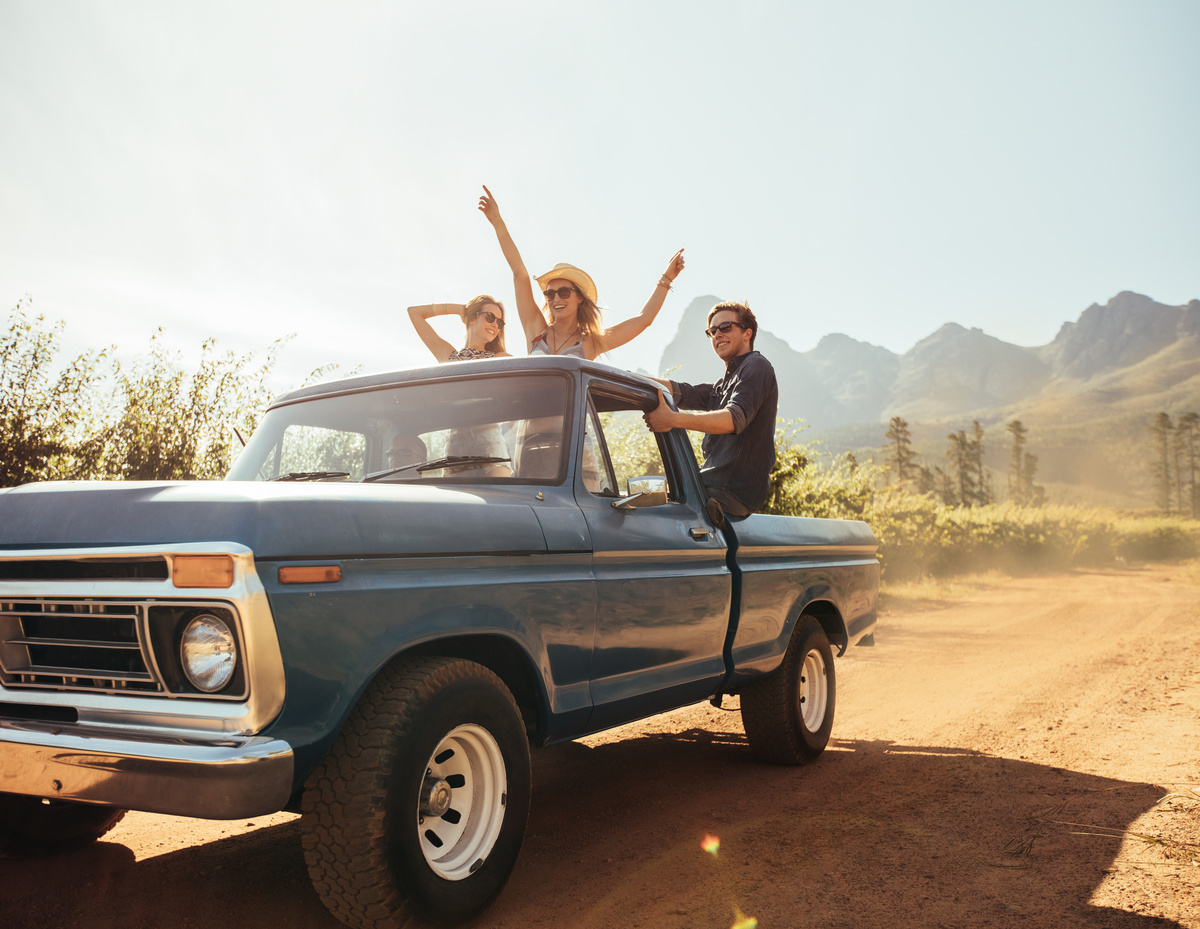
{"x":814,"y":691}
{"x":456,"y":843}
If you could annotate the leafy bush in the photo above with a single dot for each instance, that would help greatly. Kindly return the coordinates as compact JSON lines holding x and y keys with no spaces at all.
{"x":1157,"y":538}
{"x":918,"y":536}
{"x":99,"y":419}
{"x":176,"y":426}
{"x":45,"y":417}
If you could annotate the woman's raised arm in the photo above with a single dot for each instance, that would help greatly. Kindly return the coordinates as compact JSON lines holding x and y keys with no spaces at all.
{"x":442,"y":350}
{"x":627,"y":329}
{"x":528,"y":306}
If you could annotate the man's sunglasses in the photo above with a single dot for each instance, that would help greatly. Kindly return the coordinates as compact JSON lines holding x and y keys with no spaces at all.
{"x":712,"y":331}
{"x":490,"y":317}
{"x":562,"y":292}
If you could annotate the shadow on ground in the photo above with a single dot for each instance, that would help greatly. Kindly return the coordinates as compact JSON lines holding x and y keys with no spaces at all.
{"x":874,"y":835}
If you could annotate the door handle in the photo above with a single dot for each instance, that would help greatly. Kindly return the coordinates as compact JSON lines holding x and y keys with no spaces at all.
{"x":700,"y":535}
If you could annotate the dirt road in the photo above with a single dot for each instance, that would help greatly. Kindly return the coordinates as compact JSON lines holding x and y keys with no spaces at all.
{"x":991,"y":756}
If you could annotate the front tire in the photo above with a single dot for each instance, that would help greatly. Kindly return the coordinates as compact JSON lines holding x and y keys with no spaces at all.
{"x":788,"y":716}
{"x":419,"y":809}
{"x":31,"y":826}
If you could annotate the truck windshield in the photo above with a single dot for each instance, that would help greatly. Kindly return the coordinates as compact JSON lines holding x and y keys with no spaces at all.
{"x":502,"y":428}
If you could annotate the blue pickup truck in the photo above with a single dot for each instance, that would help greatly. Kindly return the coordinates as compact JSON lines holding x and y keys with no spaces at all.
{"x":407,"y":581}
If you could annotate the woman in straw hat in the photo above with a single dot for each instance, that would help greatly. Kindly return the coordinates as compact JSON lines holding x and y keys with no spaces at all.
{"x":568,"y":322}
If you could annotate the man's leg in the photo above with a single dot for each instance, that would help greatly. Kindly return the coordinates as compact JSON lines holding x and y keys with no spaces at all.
{"x":729,"y":503}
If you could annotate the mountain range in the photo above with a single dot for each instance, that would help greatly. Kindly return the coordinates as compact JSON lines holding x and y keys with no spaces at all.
{"x":1087,"y":396}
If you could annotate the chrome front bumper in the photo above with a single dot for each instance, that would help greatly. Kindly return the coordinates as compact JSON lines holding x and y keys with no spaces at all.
{"x":227,"y":779}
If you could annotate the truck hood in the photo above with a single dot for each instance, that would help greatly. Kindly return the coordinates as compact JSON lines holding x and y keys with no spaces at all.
{"x":273,"y":520}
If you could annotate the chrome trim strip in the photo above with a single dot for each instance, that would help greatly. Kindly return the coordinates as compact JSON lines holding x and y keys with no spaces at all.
{"x":216,"y":780}
{"x":840,"y":553}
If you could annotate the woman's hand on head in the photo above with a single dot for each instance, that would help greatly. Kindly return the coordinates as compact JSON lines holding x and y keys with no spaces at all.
{"x":488,"y":206}
{"x":674,"y":266}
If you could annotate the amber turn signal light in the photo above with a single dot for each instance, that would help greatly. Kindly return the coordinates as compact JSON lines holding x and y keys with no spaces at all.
{"x":311,"y":574}
{"x":202,"y":571}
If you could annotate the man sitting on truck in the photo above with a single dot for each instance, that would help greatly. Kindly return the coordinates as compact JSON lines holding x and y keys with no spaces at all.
{"x":738,"y":413}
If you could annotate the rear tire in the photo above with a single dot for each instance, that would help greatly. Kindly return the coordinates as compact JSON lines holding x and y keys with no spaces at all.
{"x":419,"y":809}
{"x":788,"y":716}
{"x":31,"y":826}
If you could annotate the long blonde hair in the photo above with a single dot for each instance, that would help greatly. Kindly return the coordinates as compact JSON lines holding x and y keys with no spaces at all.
{"x":591,"y":320}
{"x":475,"y":305}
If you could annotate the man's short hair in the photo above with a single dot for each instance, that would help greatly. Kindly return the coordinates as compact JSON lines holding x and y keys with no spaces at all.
{"x":745,"y":317}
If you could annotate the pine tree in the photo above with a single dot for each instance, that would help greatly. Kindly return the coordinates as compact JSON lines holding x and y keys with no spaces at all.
{"x":1034,"y":495}
{"x":926,"y":481}
{"x":944,"y":485}
{"x":1017,"y":491}
{"x":1162,"y":430}
{"x":899,"y":454}
{"x":1188,"y":429}
{"x":983,"y":481}
{"x":961,"y":461}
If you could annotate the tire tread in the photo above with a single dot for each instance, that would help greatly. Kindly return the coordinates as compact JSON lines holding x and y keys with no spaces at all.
{"x":767,"y":713}
{"x":345,"y":799}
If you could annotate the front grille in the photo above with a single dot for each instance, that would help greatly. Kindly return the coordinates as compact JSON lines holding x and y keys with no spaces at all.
{"x":85,"y":645}
{"x":92,"y":569}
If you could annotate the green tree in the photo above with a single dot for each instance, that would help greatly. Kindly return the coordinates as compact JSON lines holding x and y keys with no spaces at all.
{"x":944,"y":485}
{"x":1016,"y":465}
{"x":961,"y":470}
{"x":898,"y":453}
{"x":45,"y":417}
{"x":1034,"y":495}
{"x":1188,"y":432}
{"x":96,"y":418}
{"x":1162,"y":430}
{"x":174,"y":425}
{"x":968,"y":482}
{"x":983,"y":480}
{"x":1022,"y":469}
{"x":926,"y":481}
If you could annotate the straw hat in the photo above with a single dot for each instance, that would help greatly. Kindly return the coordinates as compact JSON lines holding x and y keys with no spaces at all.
{"x":576,"y":276}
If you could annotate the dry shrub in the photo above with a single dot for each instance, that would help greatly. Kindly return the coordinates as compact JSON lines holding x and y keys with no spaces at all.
{"x":919,"y":536}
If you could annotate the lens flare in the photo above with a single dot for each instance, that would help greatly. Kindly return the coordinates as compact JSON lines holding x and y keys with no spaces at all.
{"x":711,"y":844}
{"x":742,"y":921}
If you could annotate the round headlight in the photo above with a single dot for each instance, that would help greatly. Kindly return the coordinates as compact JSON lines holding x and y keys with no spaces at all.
{"x":209,"y":653}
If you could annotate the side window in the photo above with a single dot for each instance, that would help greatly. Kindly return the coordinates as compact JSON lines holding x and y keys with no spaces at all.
{"x":597,"y":472}
{"x":618,"y":446}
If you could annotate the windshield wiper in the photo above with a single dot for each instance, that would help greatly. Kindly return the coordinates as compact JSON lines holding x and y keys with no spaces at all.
{"x":311,"y":475}
{"x":435,"y":463}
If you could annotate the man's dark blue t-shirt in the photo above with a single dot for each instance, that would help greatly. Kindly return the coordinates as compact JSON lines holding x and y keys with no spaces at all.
{"x":739,"y":462}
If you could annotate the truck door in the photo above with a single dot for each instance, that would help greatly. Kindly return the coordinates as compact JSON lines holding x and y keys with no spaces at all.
{"x":662,"y":586}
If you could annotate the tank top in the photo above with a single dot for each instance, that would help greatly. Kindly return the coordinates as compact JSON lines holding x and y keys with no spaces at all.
{"x":540,"y":347}
{"x":470,"y":354}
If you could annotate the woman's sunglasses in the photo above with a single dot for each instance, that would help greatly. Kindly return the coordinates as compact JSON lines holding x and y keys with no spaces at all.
{"x":562,"y":292}
{"x":711,"y":331}
{"x":490,"y":317}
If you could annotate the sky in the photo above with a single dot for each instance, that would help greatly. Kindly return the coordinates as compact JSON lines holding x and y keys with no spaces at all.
{"x":252,"y":171}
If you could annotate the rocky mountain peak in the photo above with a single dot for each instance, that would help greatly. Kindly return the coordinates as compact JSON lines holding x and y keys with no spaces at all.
{"x":1129,"y":328}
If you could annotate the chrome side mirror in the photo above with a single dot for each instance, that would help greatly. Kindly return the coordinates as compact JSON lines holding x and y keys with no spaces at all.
{"x":647,"y":490}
